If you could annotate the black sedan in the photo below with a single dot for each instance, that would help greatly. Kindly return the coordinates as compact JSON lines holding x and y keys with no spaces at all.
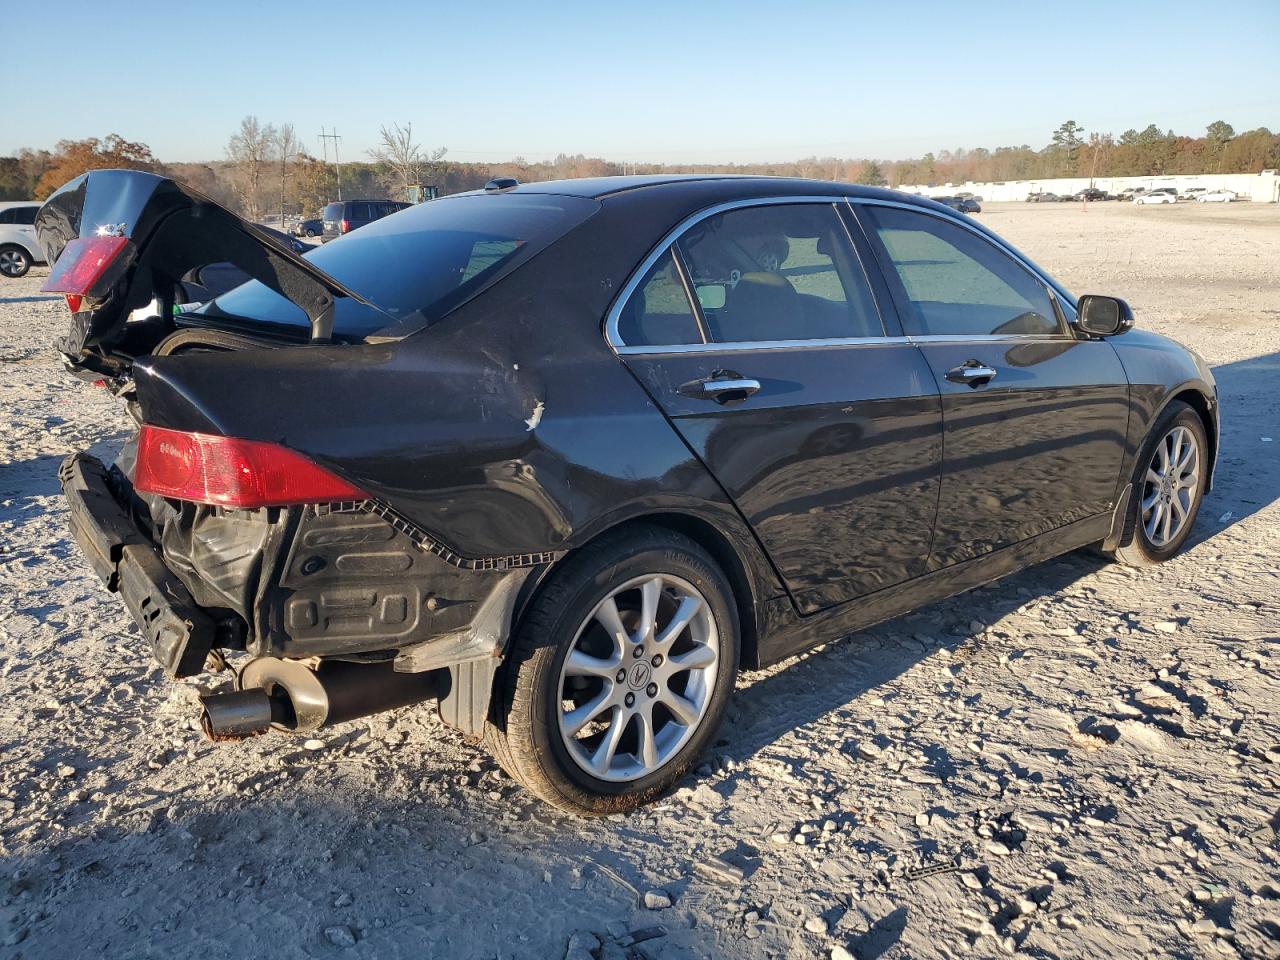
{"x":565,"y":457}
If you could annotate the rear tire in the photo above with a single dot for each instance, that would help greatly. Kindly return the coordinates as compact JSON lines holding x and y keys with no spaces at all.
{"x":1168,"y":488}
{"x":14,"y":261}
{"x":616,"y":724}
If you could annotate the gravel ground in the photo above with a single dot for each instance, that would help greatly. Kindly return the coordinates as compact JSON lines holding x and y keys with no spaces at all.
{"x":1079,"y":761}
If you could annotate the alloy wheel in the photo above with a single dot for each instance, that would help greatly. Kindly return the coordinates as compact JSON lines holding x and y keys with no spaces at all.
{"x":638,"y":677}
{"x":1170,"y":487}
{"x":12,"y":263}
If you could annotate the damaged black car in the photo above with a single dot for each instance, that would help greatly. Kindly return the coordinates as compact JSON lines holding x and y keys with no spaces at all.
{"x":564,"y":457}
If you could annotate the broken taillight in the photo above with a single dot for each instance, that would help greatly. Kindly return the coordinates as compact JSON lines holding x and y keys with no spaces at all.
{"x":82,"y":264}
{"x":229,"y":472}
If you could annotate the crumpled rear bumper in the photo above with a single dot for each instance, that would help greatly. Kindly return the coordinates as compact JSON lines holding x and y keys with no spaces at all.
{"x":181,"y":634}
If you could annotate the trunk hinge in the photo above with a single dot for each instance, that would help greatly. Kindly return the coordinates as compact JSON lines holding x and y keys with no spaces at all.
{"x":322,"y":322}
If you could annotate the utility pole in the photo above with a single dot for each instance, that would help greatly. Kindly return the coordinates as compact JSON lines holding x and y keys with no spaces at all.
{"x":337,"y":167}
{"x":284,"y":159}
{"x":1093,"y":167}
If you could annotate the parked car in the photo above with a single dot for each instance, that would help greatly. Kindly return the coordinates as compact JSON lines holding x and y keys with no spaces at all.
{"x":309,"y":228}
{"x":1158,"y":195}
{"x":1218,"y":196}
{"x":1091,"y":194}
{"x":342,"y":217}
{"x":19,"y":248}
{"x":1192,"y":193}
{"x":1043,"y":198}
{"x":565,"y":456}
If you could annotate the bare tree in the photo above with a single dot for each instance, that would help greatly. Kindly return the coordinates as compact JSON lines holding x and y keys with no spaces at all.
{"x":250,"y":149}
{"x":287,"y":150}
{"x":406,"y":159}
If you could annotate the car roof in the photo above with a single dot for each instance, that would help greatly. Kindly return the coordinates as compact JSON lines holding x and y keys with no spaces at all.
{"x":716,"y":186}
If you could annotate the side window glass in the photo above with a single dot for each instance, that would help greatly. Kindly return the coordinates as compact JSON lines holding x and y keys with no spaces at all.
{"x":9,"y":216}
{"x":659,"y":312}
{"x":959,"y":284}
{"x":27,"y":215}
{"x":779,"y":272}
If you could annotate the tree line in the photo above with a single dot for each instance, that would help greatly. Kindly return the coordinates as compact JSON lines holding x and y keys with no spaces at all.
{"x":265,"y":169}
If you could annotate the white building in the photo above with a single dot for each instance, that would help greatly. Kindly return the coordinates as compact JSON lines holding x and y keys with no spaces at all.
{"x":1260,"y":187}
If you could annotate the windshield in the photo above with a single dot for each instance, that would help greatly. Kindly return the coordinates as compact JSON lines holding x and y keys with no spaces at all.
{"x":417,"y":265}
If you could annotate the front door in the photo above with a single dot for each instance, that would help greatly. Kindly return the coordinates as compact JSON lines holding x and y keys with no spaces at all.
{"x":758,"y":334}
{"x":1034,"y":417}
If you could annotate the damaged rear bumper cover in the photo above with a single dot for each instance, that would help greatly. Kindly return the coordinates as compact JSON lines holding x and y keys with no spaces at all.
{"x":181,"y":634}
{"x":339,"y":585}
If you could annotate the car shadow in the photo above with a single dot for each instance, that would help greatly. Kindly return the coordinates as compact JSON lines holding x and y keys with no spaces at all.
{"x":771,"y":704}
{"x":1248,"y":473}
{"x":53,"y":296}
{"x":38,"y":476}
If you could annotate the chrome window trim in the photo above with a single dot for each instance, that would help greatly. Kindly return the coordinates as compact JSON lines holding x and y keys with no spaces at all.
{"x":612,"y":318}
{"x":756,"y":345}
{"x":989,"y":338}
{"x":614,"y":338}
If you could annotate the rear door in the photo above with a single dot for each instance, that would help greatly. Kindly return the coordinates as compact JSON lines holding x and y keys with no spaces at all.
{"x":757,"y":331}
{"x":25,"y":219}
{"x":331,"y":220}
{"x":1035,"y":418}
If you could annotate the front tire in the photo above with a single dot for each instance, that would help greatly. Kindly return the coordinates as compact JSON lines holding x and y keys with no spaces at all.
{"x":14,"y":262}
{"x":619,"y":675}
{"x":1168,"y":488}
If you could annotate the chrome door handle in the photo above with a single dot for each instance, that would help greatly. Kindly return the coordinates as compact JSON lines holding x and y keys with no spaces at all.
{"x":744,"y":385}
{"x":723,"y":386}
{"x":972,"y":373}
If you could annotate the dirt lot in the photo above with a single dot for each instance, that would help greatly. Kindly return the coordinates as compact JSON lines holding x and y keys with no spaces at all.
{"x":1089,"y":756}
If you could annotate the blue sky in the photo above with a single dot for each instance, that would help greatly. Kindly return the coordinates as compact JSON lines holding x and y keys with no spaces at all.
{"x":649,"y":82}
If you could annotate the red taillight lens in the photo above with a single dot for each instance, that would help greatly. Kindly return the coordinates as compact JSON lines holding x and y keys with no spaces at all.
{"x":81,"y":265}
{"x":232,"y":473}
{"x":345,"y":226}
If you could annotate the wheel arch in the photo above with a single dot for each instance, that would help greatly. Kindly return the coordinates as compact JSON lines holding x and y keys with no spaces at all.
{"x":1204,"y":405}
{"x":700,"y":531}
{"x":37,"y":256}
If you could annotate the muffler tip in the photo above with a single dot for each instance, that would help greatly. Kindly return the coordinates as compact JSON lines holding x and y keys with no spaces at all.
{"x":232,"y":716}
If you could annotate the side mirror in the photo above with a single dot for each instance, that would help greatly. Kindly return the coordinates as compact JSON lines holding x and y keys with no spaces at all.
{"x":1103,"y":316}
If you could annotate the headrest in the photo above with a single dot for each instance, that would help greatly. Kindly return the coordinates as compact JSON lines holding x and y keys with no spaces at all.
{"x":760,"y":306}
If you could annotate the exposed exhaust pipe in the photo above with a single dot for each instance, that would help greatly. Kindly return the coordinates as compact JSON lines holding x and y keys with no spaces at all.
{"x":289,"y":695}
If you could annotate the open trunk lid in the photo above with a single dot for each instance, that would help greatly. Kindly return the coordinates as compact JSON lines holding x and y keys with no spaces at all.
{"x":120,"y":239}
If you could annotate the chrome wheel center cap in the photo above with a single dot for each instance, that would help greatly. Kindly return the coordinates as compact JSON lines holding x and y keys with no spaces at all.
{"x":639,"y":675}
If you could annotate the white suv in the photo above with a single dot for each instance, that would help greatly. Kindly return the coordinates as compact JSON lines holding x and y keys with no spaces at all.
{"x":19,"y":248}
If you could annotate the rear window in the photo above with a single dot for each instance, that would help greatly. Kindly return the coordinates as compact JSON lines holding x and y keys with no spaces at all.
{"x":332,"y":212}
{"x":421,"y":263}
